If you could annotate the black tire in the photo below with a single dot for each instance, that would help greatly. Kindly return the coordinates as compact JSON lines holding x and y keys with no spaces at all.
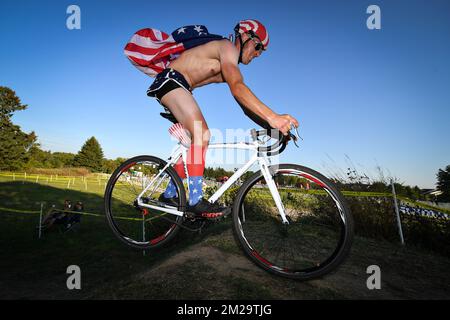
{"x":247,"y":208}
{"x":120,"y":214}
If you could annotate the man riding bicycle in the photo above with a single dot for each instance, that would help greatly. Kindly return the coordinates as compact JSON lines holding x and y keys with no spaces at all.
{"x":205,"y":59}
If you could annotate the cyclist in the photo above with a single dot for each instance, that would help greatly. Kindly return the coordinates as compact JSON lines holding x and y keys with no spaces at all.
{"x":215,"y":61}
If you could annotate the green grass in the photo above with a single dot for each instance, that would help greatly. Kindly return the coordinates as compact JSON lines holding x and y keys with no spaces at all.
{"x":226,"y":244}
{"x":33,"y":268}
{"x":39,"y":264}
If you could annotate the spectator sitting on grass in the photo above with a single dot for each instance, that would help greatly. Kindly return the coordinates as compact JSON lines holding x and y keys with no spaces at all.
{"x":56,"y":216}
{"x":73,"y":216}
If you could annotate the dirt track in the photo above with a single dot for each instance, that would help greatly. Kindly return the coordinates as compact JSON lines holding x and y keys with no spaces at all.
{"x":216,"y":269}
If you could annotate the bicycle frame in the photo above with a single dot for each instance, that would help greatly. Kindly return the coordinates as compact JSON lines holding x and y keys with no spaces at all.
{"x":181,"y":151}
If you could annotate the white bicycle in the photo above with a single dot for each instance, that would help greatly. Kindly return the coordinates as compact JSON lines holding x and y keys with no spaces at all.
{"x":288,"y":219}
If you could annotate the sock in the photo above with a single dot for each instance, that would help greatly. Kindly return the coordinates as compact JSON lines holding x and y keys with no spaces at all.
{"x":195,"y":190}
{"x":171,"y":190}
{"x":195,"y":167}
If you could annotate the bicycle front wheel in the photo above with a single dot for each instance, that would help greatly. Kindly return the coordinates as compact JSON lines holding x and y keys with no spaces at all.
{"x":319,"y":232}
{"x":137,"y":226}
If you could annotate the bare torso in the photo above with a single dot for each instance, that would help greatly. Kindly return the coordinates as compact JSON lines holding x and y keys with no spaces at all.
{"x":200,"y":65}
{"x":212,"y":63}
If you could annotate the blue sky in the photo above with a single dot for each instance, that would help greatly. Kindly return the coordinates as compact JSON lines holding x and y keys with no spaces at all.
{"x":377,"y":97}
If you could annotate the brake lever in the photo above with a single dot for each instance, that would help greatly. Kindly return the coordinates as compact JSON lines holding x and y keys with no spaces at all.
{"x":298,"y":134}
{"x":295,"y":136}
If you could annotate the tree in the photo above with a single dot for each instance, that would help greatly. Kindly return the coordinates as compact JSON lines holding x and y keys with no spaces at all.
{"x":90,"y":156}
{"x":62,"y":159}
{"x":443,"y":184}
{"x":110,"y":165}
{"x":39,"y":158}
{"x":15,"y":145}
{"x":9,"y":102}
{"x":247,"y":175}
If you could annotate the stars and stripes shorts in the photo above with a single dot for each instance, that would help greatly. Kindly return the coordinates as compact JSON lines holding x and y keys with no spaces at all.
{"x":166,"y":81}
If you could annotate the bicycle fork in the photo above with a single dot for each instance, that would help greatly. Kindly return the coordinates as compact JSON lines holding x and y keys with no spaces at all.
{"x":265,"y":169}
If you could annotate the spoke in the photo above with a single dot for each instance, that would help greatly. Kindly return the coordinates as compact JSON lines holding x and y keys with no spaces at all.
{"x":132,"y":185}
{"x":308,"y":240}
{"x":284,"y":254}
{"x":153,"y":225}
{"x":277,"y":252}
{"x":161,"y":178}
{"x":293,"y":255}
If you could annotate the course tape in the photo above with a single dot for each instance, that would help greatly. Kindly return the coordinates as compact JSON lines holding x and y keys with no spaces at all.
{"x":96,"y":214}
{"x":70,"y":181}
{"x":366,"y":194}
{"x":19,"y":211}
{"x":76,"y":212}
{"x":54,"y":178}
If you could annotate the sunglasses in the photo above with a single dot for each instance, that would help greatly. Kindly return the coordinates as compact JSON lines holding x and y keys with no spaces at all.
{"x":258,"y":45}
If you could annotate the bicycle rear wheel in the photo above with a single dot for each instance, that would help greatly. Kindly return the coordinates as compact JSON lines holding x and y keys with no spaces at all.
{"x":136,"y":226}
{"x":320,"y":230}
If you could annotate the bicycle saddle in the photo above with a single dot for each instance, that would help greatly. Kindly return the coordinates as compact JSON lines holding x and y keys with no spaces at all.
{"x":169,"y":116}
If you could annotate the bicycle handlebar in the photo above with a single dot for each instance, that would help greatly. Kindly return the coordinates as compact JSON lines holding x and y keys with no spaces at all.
{"x":276,"y":148}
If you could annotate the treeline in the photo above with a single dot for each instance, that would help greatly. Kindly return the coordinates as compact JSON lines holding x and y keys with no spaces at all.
{"x":218,"y":173}
{"x":21,"y":151}
{"x":414,"y":193}
{"x":90,"y":157}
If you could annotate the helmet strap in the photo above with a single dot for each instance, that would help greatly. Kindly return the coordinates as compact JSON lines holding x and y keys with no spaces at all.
{"x":237,"y":35}
{"x":242,"y":46}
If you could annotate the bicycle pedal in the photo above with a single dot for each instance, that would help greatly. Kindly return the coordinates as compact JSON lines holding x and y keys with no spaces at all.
{"x":219,"y":217}
{"x":192,"y":216}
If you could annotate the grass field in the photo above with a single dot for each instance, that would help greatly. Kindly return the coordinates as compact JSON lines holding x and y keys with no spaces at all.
{"x":193,"y":266}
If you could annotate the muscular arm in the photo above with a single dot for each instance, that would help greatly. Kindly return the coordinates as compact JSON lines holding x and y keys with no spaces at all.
{"x":232,"y":76}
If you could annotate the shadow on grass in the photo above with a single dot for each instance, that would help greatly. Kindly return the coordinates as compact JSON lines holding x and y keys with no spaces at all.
{"x":36,"y":268}
{"x":32,"y":268}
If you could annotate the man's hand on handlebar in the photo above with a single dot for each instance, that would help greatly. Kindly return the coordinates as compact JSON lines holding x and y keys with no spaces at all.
{"x":283,"y":123}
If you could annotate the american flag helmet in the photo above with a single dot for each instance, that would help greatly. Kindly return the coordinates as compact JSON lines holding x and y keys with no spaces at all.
{"x":255,"y":29}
